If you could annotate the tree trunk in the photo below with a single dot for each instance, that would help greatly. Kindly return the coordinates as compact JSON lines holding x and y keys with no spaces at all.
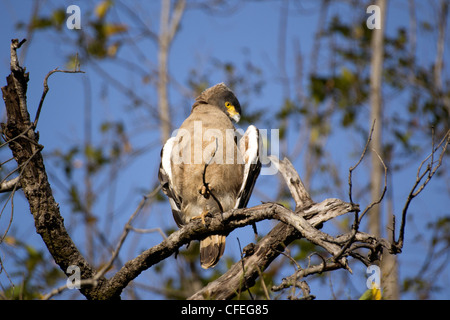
{"x":23,"y":142}
{"x":389,"y":278}
{"x":168,"y":28}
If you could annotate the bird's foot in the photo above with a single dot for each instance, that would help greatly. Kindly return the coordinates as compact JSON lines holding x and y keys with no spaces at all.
{"x":201,"y":216}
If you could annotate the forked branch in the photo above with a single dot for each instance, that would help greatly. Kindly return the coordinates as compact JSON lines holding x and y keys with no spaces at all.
{"x":422,"y":179}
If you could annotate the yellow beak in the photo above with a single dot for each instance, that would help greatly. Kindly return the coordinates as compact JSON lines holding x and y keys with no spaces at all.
{"x":233,"y":113}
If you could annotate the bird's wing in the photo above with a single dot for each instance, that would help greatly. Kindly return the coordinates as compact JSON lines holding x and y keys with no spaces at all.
{"x":249,"y":147}
{"x":166,"y":180}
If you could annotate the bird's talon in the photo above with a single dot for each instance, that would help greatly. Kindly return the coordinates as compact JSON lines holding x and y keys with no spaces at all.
{"x":201,"y":216}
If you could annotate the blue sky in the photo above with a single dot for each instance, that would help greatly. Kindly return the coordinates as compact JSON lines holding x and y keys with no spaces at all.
{"x":249,"y":34}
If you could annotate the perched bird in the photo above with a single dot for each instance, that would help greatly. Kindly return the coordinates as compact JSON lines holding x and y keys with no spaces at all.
{"x":208,"y":167}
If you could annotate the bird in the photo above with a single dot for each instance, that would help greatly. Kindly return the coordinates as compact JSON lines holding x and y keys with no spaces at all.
{"x":208,"y":166}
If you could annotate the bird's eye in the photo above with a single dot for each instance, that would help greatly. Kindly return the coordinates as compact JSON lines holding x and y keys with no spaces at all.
{"x":227,"y":104}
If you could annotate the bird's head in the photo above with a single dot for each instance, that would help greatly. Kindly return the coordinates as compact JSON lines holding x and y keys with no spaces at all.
{"x":221,"y":96}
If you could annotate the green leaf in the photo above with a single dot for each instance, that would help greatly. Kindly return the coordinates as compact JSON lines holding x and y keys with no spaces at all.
{"x":41,"y":23}
{"x":59,"y":17}
{"x":102,"y":8}
{"x":318,"y":88}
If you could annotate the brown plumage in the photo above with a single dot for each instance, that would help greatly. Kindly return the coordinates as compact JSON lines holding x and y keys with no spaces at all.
{"x":203,"y":169}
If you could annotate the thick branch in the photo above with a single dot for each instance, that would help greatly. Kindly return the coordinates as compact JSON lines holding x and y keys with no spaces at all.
{"x":224,"y":223}
{"x":293,"y":181}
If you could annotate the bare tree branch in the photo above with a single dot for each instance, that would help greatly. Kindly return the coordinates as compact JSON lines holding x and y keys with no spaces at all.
{"x":124,"y":234}
{"x":9,"y":185}
{"x":419,"y":185}
{"x":350,"y":171}
{"x":33,"y":178}
{"x":293,"y":181}
{"x":44,"y":93}
{"x":225,"y":223}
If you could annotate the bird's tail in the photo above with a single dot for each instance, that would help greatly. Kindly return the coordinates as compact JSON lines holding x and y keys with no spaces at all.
{"x":211,"y":249}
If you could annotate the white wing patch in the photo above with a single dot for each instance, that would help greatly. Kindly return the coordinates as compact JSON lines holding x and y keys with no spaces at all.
{"x":166,"y":180}
{"x":249,"y":147}
{"x":166,"y":163}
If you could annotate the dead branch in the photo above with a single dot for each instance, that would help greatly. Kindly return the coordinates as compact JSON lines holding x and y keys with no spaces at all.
{"x":124,"y":234}
{"x":383,"y":192}
{"x":23,"y":142}
{"x":353,"y":168}
{"x":294,"y":182}
{"x":353,"y":241}
{"x":419,"y":185}
{"x":225,"y":223}
{"x":9,"y":185}
{"x":44,"y":93}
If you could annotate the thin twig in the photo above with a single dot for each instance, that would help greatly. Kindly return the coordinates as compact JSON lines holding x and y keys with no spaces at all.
{"x":139,"y":230}
{"x":243,"y":268}
{"x":355,"y":226}
{"x":357,"y":219}
{"x":18,"y":168}
{"x":350,"y":171}
{"x":303,"y":273}
{"x":14,"y":188}
{"x":263,"y":284}
{"x":296,"y":268}
{"x":10,"y":197}
{"x":83,"y":282}
{"x":125,"y":232}
{"x":398,"y":244}
{"x":21,"y":135}
{"x":383,"y":192}
{"x":44,"y":93}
